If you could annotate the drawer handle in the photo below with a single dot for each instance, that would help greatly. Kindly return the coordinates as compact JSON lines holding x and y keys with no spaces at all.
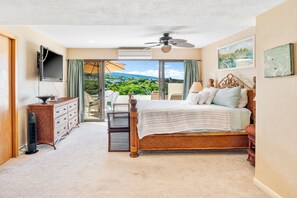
{"x":64,"y":118}
{"x":70,"y":107}
{"x":58,"y":132}
{"x":64,"y":127}
{"x":57,"y":111}
{"x":64,"y":109}
{"x":70,"y":114}
{"x":58,"y":122}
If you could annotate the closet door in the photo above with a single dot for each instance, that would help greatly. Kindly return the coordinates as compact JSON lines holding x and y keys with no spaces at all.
{"x":5,"y":105}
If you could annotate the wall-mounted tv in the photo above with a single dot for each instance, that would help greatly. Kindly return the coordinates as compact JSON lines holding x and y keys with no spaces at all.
{"x":50,"y":65}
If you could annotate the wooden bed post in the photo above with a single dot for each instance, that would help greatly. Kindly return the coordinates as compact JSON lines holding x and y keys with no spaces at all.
{"x":133,"y":129}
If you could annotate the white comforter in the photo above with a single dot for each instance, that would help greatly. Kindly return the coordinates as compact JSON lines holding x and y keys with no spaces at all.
{"x":169,"y":116}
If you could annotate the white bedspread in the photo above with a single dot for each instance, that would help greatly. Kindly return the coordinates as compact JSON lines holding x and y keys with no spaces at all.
{"x":169,"y":116}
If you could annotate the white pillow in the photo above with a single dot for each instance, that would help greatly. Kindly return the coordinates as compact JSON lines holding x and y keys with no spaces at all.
{"x":192,"y":98}
{"x":244,"y":98}
{"x":212,"y":92}
{"x":228,"y":97}
{"x":204,"y":95}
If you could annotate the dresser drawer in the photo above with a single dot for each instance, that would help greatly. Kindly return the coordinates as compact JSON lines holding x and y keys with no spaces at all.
{"x":58,"y":111}
{"x":71,"y":106}
{"x":72,"y":114}
{"x":73,"y":122}
{"x":61,"y":130}
{"x":61,"y":120}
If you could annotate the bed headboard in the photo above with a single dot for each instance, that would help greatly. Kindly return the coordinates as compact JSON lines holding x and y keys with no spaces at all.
{"x":232,"y":81}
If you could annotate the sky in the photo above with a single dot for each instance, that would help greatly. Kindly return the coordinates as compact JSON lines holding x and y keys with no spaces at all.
{"x":174,"y":70}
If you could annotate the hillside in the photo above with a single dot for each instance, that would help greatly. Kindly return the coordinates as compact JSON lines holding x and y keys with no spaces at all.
{"x":125,"y":83}
{"x":125,"y":75}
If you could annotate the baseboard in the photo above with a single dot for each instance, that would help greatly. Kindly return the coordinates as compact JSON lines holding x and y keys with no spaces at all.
{"x":266,"y":189}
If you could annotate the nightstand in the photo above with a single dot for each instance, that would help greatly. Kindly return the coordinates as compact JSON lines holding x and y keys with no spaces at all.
{"x":250,"y":129}
{"x":118,"y":131}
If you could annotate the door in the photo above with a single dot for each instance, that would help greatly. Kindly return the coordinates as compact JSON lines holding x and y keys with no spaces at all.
{"x":94,"y":109}
{"x":171,"y":79}
{"x":5,"y":100}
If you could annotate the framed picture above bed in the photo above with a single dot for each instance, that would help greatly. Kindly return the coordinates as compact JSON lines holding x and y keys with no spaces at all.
{"x":239,"y":54}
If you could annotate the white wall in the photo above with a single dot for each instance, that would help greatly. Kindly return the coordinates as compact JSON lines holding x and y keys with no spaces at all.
{"x":28,"y":85}
{"x":112,"y":54}
{"x":177,"y":88}
{"x":276,"y":130}
{"x":209,"y":56}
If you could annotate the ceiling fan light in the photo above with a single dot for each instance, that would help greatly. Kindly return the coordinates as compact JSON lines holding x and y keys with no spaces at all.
{"x":166,"y":48}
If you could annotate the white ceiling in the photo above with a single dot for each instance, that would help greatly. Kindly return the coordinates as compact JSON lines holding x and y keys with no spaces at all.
{"x":130,"y":23}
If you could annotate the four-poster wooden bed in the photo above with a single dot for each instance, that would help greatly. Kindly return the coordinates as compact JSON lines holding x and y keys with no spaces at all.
{"x":192,"y":141}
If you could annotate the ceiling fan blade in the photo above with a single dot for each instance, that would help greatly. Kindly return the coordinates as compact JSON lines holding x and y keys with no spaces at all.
{"x":152,"y":46}
{"x":149,"y":43}
{"x":188,"y":45}
{"x":175,"y":41}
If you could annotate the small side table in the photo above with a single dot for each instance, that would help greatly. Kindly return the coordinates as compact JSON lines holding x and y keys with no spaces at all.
{"x":118,"y":131}
{"x":250,"y":129}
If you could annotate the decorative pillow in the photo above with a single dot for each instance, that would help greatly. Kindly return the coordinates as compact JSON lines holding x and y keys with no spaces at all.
{"x":243,"y":99}
{"x":192,"y":98}
{"x":204,"y":95}
{"x":228,"y":97}
{"x":212,"y":92}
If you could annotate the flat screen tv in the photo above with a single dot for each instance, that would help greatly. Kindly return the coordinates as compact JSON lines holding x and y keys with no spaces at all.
{"x":50,"y":65}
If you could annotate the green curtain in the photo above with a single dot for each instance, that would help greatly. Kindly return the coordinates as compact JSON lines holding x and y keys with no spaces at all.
{"x":191,"y":75}
{"x":75,"y":85}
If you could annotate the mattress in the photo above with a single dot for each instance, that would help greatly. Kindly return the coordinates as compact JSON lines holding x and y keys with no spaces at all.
{"x":169,"y":116}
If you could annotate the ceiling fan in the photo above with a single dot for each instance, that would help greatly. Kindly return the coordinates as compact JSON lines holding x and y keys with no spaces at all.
{"x":168,"y":42}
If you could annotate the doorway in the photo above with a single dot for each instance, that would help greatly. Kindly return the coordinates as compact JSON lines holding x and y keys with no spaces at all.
{"x":109,"y":82}
{"x":98,"y":97}
{"x":147,"y":80}
{"x":171,"y":80}
{"x":94,"y":104}
{"x":8,"y":115}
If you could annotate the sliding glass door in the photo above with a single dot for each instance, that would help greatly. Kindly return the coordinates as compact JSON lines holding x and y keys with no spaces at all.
{"x":109,"y":82}
{"x":139,"y":77}
{"x":146,"y":79}
{"x":171,"y":79}
{"x":94,"y":107}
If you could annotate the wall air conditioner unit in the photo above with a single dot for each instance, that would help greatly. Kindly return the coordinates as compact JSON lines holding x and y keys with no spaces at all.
{"x":134,"y":54}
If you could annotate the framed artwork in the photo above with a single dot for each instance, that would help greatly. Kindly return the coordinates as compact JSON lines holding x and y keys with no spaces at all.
{"x":237,"y":55}
{"x":279,"y":61}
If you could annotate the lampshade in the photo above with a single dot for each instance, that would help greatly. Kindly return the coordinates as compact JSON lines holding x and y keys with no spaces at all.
{"x":196,"y":87}
{"x":166,"y":48}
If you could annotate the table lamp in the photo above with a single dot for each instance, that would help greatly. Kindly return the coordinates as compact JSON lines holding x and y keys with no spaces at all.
{"x":196,"y":87}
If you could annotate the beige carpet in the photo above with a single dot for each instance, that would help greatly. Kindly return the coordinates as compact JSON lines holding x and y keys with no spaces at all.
{"x":82,"y":167}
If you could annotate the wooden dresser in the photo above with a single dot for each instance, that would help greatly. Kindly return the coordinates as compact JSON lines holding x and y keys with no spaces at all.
{"x":55,"y":119}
